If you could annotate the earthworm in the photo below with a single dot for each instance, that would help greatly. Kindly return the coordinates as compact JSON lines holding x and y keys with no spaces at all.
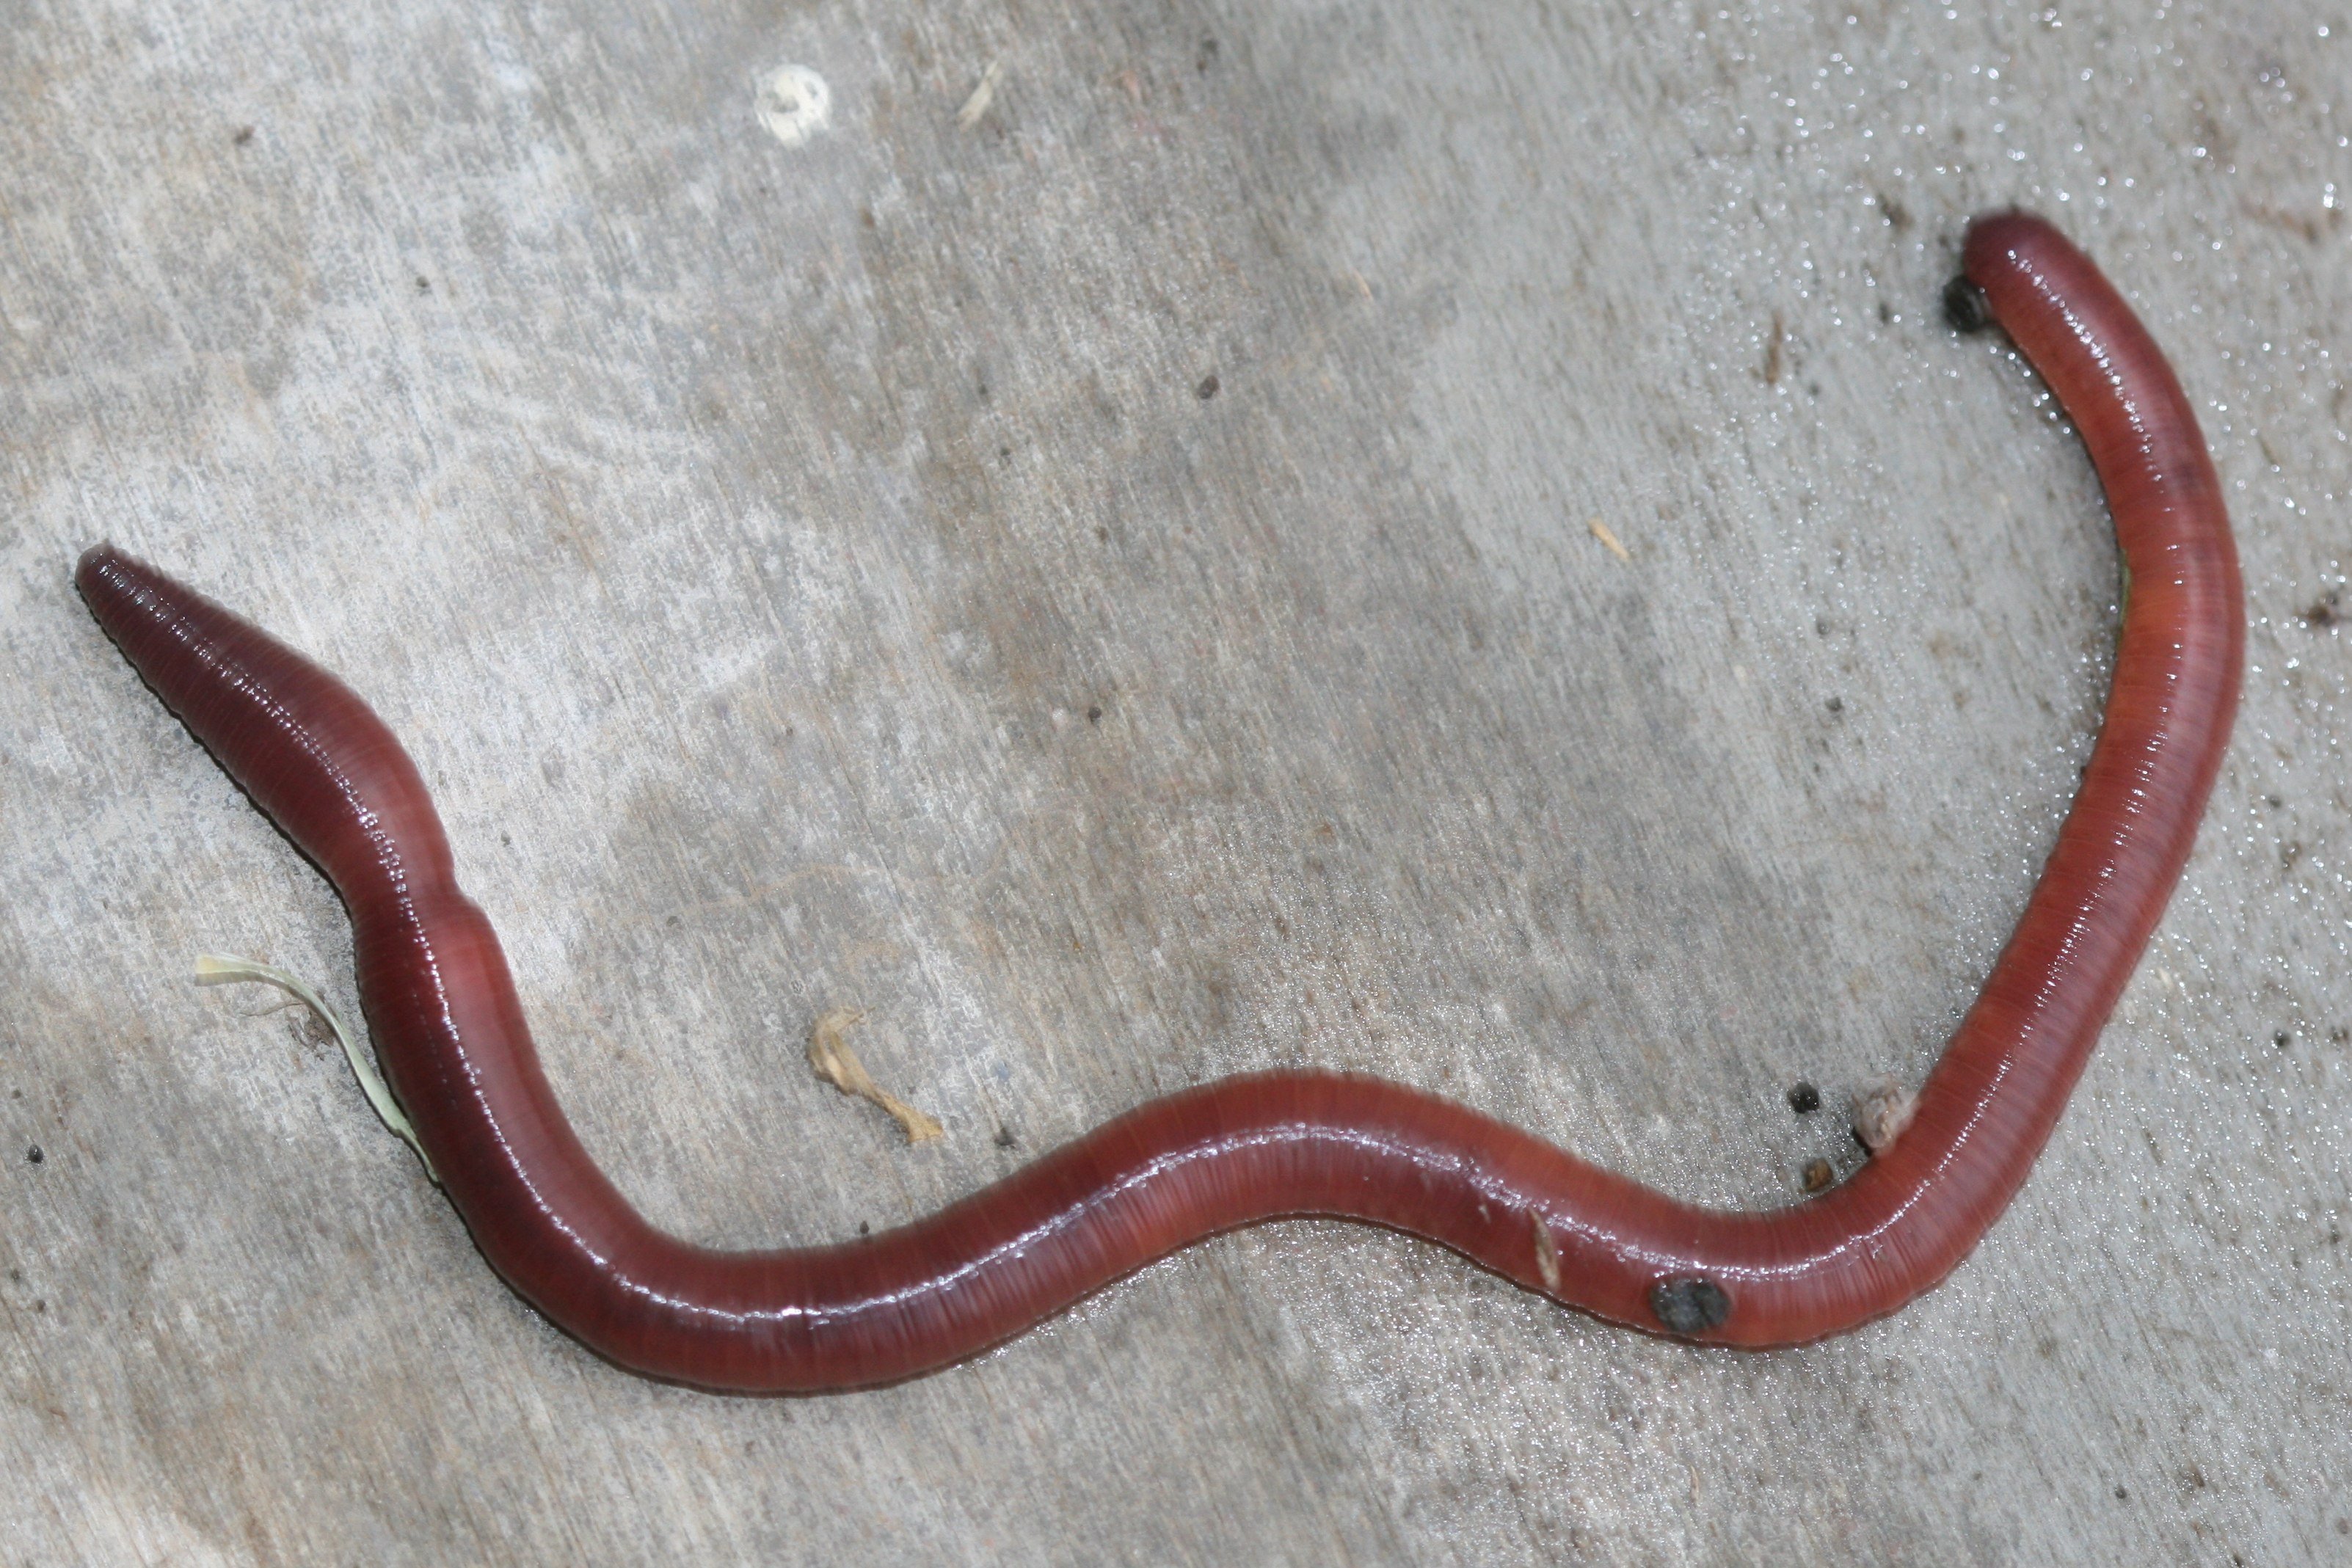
{"x":450,"y":1032}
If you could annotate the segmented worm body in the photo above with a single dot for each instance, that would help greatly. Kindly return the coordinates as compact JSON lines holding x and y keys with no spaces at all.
{"x":454,"y":1045}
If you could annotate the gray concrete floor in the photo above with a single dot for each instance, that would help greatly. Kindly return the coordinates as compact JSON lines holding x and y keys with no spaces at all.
{"x":1108,"y":588}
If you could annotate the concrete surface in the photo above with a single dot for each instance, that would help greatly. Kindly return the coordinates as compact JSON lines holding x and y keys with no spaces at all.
{"x":1107,"y":588}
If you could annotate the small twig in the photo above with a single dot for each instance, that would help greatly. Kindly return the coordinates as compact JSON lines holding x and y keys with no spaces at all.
{"x":829,"y":1053}
{"x":1600,"y":531}
{"x":216,"y":971}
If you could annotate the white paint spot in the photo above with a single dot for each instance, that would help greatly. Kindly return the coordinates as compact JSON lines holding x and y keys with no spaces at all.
{"x":795,"y":104}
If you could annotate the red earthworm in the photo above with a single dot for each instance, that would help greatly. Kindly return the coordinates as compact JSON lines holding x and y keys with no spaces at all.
{"x":453,"y":1043}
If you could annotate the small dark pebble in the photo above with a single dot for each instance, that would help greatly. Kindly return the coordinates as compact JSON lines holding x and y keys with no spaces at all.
{"x":2122,"y":1494}
{"x":1689,"y":1306}
{"x":1818,"y":1175}
{"x":1965,"y":309}
{"x":1836,"y":704}
{"x":1208,"y":387}
{"x":1004,"y":1138}
{"x":33,"y":1156}
{"x":1094,"y":716}
{"x":1804,"y":1099}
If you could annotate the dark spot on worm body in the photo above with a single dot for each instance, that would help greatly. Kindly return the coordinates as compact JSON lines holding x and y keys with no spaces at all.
{"x":1689,"y":1305}
{"x":1966,"y":308}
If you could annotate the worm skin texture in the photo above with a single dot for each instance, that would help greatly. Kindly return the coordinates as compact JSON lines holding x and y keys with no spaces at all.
{"x":451,"y":1035}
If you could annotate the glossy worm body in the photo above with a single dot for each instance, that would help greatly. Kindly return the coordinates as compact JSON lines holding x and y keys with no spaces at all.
{"x":454,"y":1045}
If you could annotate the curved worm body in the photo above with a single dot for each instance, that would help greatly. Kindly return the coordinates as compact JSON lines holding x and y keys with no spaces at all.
{"x":454,"y":1045}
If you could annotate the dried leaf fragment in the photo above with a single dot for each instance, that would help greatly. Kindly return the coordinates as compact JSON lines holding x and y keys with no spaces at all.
{"x":1881,"y":1111}
{"x":829,"y":1054}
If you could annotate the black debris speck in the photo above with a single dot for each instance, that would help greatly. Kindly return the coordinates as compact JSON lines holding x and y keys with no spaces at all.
{"x":244,"y":137}
{"x":1094,"y":716}
{"x":1965,"y":309}
{"x":2282,"y":1039}
{"x":33,"y":1156}
{"x":1837,"y":704}
{"x":1004,"y":1138}
{"x":1208,"y":387}
{"x":1804,"y":1099}
{"x":864,"y":1228}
